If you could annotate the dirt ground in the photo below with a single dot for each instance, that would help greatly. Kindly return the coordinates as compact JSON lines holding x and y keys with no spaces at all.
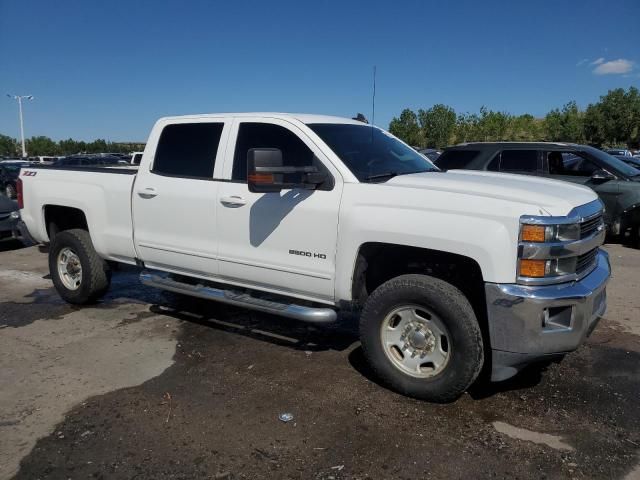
{"x":148,"y":385}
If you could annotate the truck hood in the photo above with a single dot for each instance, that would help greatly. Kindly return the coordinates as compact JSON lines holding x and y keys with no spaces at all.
{"x":553,"y":196}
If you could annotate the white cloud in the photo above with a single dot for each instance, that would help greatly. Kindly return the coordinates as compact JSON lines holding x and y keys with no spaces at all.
{"x":613,"y":67}
{"x":598,"y":61}
{"x":582,"y":62}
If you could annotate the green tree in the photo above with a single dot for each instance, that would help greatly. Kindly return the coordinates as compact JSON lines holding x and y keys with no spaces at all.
{"x":69,"y":147}
{"x":8,"y":146}
{"x":594,"y":125}
{"x":41,"y":145}
{"x":566,"y":125}
{"x":620,"y":115}
{"x":438,"y":125}
{"x":97,"y":146}
{"x":406,"y":128}
{"x":467,"y":127}
{"x":493,"y":126}
{"x":525,"y":128}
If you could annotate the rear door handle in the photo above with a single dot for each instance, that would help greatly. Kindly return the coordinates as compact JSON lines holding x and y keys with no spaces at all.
{"x":148,"y":192}
{"x":234,"y":201}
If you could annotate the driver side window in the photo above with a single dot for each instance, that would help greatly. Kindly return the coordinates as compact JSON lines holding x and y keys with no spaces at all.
{"x":266,"y":135}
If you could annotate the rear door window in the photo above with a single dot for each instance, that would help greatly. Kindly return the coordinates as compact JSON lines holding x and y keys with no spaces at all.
{"x":518,"y":161}
{"x":188,"y":150}
{"x":456,"y":159}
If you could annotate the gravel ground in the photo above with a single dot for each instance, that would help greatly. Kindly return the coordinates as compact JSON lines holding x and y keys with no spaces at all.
{"x":148,"y":385}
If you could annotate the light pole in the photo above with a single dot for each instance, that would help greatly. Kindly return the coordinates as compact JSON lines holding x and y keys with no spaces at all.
{"x":19,"y":98}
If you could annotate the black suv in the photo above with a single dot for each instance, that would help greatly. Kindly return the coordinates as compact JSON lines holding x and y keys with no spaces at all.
{"x":617,"y":183}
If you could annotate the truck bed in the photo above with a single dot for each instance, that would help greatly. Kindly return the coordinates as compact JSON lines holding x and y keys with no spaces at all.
{"x":103,"y":194}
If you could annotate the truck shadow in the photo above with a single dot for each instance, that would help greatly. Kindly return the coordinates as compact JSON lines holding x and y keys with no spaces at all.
{"x":269,"y":210}
{"x":260,"y":326}
{"x":481,"y":389}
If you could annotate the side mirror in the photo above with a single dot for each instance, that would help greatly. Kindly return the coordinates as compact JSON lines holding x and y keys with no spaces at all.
{"x":266,"y":172}
{"x":602,"y":176}
{"x":261,"y":163}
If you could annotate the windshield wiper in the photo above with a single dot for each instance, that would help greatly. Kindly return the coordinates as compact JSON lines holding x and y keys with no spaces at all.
{"x":378,"y":176}
{"x":389,"y":175}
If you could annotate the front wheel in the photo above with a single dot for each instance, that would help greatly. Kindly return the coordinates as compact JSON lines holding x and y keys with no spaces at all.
{"x":79,"y":274}
{"x":421,"y":338}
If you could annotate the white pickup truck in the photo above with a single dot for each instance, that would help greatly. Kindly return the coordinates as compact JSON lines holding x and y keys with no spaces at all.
{"x":305,"y":216}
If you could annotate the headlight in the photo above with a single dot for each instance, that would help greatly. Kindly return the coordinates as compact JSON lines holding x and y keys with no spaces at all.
{"x":559,"y":249}
{"x":15,"y":215}
{"x":550,"y":233}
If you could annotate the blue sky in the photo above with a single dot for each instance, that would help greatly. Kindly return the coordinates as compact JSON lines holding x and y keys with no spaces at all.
{"x":110,"y":69}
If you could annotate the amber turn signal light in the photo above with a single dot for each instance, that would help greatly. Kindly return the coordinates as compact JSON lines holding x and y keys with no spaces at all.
{"x":261,"y":177}
{"x":533,"y":268}
{"x":533,"y":233}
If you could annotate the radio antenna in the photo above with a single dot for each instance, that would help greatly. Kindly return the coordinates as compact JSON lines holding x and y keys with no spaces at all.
{"x":373,"y":100}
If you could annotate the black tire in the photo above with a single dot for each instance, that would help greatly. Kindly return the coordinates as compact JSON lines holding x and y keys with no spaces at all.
{"x":96,"y":275}
{"x":635,"y":236}
{"x":466,"y":355}
{"x":10,"y":191}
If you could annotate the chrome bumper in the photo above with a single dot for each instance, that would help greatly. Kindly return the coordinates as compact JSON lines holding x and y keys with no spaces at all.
{"x":530,"y":323}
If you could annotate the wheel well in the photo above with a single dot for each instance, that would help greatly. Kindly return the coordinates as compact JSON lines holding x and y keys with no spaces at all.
{"x":58,"y":218}
{"x":378,"y":262}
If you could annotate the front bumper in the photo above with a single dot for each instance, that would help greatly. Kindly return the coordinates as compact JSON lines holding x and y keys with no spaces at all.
{"x":531,"y":323}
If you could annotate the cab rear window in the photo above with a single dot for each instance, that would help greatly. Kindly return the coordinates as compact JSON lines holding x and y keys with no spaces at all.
{"x":453,"y":159}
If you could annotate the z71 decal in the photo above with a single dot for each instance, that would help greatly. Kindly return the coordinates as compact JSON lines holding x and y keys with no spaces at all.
{"x":29,"y":173}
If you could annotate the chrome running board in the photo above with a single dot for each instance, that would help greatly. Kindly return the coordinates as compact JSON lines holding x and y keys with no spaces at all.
{"x":239,"y":299}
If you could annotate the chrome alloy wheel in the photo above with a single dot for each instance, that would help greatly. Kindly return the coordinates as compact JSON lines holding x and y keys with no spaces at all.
{"x":69,"y":269}
{"x":416,"y":341}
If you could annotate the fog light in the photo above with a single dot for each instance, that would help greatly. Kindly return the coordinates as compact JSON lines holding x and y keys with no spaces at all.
{"x":15,"y":215}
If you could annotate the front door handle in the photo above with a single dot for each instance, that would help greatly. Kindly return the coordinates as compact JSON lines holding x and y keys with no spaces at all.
{"x":234,"y":201}
{"x":148,"y":192}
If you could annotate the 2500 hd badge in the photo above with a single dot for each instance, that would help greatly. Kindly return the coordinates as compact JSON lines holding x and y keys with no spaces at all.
{"x":302,"y":253}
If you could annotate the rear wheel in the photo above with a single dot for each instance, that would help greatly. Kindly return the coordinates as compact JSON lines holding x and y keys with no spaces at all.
{"x":79,"y":274}
{"x":421,"y":338}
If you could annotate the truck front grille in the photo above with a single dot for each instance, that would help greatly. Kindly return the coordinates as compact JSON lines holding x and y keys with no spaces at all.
{"x":589,"y":226}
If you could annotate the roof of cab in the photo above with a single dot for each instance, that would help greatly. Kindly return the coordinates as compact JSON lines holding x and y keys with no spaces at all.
{"x":302,"y":117}
{"x":491,"y":145}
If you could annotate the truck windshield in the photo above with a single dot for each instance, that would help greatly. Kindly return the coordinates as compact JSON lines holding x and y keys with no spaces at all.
{"x":371,"y":154}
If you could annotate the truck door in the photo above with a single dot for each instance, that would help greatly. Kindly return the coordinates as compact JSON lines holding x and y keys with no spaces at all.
{"x":174,"y":198}
{"x":283,"y":241}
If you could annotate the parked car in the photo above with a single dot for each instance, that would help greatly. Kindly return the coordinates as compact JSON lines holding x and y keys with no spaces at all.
{"x":305,"y":215}
{"x":89,"y":161}
{"x":633,"y":161}
{"x":9,"y":217}
{"x":619,"y":151}
{"x":431,"y":153}
{"x":9,"y":171}
{"x":616,"y":182}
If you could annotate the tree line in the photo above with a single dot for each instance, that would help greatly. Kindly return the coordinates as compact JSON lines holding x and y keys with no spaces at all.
{"x":612,"y":121}
{"x":44,"y":146}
